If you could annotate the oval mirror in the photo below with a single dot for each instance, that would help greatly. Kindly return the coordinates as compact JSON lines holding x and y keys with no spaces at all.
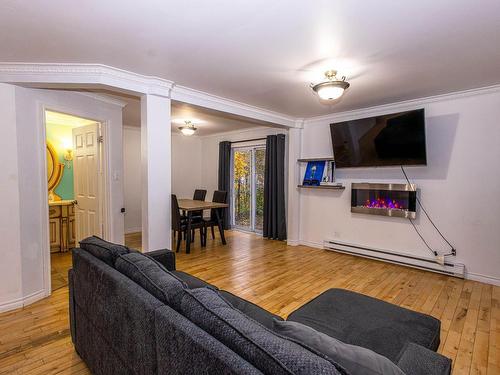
{"x":55,"y":171}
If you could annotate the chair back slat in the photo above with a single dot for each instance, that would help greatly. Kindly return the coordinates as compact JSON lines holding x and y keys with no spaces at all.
{"x":176,"y":215}
{"x":220,"y":196}
{"x":199,"y":195}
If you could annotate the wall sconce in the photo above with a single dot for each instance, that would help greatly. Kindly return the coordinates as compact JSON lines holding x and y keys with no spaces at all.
{"x":68,"y":153}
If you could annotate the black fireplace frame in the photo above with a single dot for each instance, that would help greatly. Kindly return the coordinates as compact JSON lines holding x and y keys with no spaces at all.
{"x":409,"y":189}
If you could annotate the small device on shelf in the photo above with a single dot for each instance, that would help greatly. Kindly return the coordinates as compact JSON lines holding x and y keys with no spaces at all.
{"x":314,"y":173}
{"x":320,"y":173}
{"x":329,"y":174}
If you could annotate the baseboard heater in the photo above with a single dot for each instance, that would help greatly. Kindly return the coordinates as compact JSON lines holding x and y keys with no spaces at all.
{"x":423,"y":263}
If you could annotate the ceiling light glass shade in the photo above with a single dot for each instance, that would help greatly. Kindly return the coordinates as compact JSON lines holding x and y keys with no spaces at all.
{"x":331,"y":90}
{"x":187,"y":130}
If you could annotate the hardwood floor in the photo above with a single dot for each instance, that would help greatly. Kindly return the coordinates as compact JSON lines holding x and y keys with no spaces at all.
{"x":35,"y":340}
{"x":60,"y":263}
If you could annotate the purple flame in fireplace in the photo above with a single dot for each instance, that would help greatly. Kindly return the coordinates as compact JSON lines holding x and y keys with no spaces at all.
{"x":384,"y":203}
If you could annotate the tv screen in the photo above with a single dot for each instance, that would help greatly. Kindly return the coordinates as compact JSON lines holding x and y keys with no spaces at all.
{"x":388,"y":140}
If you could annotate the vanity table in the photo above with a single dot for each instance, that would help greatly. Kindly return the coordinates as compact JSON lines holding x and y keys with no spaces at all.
{"x":61,"y":211}
{"x":61,"y":225}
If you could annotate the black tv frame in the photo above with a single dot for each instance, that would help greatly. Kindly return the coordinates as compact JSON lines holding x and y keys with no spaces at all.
{"x":422,"y":110}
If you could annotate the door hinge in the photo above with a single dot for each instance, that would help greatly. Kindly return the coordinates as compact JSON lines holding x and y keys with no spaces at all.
{"x":100,"y":139}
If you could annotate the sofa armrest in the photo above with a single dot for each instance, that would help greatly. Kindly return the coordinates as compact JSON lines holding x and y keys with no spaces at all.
{"x":72,"y":323}
{"x":165,"y":257}
{"x":417,"y":360}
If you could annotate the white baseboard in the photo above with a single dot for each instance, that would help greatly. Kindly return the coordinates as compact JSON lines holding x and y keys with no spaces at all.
{"x":293,"y":242}
{"x":482,"y":278}
{"x":133,"y":230}
{"x":316,"y":245}
{"x":448,"y":267}
{"x":23,"y":301}
{"x":468,"y":275}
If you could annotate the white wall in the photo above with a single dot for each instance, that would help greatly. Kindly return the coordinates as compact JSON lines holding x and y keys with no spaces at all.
{"x":27,"y":173}
{"x":460,"y":186}
{"x":186,"y":171}
{"x":132,"y":178}
{"x":186,"y":165}
{"x":195,"y":162}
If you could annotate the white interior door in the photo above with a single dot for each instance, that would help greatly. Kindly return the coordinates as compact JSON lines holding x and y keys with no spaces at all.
{"x":86,"y":164}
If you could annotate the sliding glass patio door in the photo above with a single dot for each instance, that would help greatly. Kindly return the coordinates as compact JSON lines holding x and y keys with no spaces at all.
{"x":248,"y":188}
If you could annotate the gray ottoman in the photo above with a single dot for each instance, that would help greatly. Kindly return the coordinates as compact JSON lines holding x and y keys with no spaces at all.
{"x":368,"y":322}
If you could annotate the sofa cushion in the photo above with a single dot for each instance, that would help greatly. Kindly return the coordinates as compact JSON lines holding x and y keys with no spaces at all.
{"x":417,"y":360}
{"x":269,"y":352}
{"x":250,"y":309}
{"x":192,"y":281}
{"x":255,"y":312}
{"x":103,"y":250}
{"x":360,"y":320}
{"x":355,"y":359}
{"x":153,"y":277}
{"x":164,"y":256}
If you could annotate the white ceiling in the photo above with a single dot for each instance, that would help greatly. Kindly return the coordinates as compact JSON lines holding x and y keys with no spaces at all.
{"x":265,"y":53}
{"x":206,"y":121}
{"x":62,"y":119}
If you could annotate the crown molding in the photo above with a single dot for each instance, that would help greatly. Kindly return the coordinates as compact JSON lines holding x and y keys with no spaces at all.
{"x":203,"y":99}
{"x":299,"y":123}
{"x":267,"y":130}
{"x":78,"y":75}
{"x":399,"y":106}
{"x":46,"y":75}
{"x":103,"y":98}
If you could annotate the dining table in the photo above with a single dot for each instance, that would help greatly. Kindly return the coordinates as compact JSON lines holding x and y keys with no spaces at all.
{"x":191,"y":205}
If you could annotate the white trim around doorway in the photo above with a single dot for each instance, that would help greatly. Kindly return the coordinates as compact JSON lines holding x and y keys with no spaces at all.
{"x":103,"y":184}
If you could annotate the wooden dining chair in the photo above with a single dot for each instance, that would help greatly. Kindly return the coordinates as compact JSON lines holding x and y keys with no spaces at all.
{"x":179,"y":224}
{"x":199,"y":195}
{"x":220,"y":196}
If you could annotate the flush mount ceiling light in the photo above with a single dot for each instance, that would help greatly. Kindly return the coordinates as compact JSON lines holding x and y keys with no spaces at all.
{"x":188,"y":128}
{"x":331,"y":89}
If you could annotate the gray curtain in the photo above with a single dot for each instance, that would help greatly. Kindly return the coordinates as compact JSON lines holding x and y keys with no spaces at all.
{"x":274,"y":188}
{"x":225,"y":175}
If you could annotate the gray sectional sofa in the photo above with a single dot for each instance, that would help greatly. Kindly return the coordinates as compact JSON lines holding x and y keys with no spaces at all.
{"x":132,"y":313}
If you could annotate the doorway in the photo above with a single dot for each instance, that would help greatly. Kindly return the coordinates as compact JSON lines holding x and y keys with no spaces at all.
{"x":74,"y":187}
{"x":247,"y":193}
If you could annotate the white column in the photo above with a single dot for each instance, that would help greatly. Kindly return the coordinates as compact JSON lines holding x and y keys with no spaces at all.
{"x":293,"y":219}
{"x":11,"y":275}
{"x":156,"y":172}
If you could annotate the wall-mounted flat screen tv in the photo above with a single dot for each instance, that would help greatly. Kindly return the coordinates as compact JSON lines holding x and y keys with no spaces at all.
{"x":388,"y":140}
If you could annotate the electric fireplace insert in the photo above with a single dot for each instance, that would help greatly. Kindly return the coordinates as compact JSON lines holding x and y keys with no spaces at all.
{"x":399,"y":200}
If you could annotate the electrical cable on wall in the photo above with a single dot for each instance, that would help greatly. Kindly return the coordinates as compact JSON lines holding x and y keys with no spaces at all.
{"x":453,"y":250}
{"x":422,"y":238}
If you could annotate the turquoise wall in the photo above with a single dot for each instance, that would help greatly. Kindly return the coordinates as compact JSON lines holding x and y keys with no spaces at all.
{"x":59,"y":135}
